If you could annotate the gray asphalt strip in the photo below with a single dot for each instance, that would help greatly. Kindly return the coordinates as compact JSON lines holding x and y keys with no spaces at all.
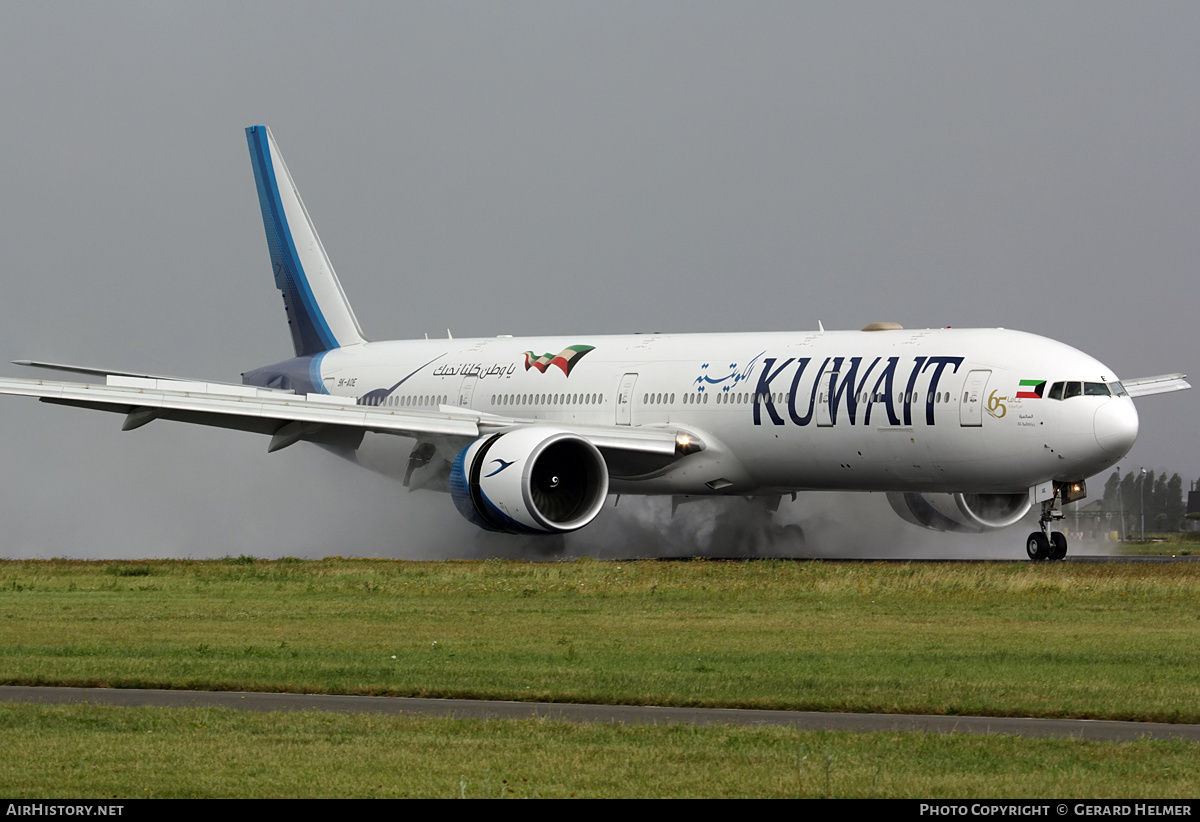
{"x":1103,"y":730}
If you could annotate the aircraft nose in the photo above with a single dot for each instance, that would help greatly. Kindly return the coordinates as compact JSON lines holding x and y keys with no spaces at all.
{"x":1116,"y":426}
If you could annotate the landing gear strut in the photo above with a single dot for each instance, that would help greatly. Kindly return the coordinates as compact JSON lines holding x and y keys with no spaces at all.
{"x":1044,"y":544}
{"x":748,"y":529}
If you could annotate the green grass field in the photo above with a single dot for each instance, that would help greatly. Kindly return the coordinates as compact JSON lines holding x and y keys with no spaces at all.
{"x":1056,"y":640}
{"x":93,"y":752}
{"x":1179,"y":543}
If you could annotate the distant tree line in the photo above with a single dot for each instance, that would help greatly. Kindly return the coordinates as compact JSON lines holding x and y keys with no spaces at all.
{"x":1163,"y":498}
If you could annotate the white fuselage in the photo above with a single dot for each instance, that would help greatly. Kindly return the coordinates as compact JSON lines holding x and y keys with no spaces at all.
{"x":939,"y":410}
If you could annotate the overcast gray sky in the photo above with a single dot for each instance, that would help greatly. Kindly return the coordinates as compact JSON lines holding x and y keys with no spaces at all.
{"x":561,"y":167}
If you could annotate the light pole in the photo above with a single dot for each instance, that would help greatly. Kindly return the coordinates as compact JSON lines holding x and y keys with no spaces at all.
{"x":1121,"y":504}
{"x":1143,"y":487}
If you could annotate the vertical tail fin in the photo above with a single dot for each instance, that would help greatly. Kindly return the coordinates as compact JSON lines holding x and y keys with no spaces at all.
{"x":318,"y":313}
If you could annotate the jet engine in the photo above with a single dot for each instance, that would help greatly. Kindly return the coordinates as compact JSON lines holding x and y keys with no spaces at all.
{"x":963,"y":513}
{"x":529,"y":481}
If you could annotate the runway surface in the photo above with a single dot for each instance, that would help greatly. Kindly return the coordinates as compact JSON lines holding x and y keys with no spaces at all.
{"x":1102,"y":730}
{"x":1082,"y":558}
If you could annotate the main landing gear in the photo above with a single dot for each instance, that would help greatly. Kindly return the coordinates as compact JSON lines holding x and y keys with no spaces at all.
{"x":1043,"y":544}
{"x":747,"y":528}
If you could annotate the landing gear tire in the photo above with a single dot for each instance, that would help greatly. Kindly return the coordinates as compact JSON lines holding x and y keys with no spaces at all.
{"x":1038,"y":546}
{"x":793,"y":537}
{"x":781,"y":540}
{"x":768,"y":540}
{"x":1058,"y":545}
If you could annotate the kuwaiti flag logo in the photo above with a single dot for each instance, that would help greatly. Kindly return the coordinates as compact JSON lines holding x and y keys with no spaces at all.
{"x":564,"y":359}
{"x":1030,"y":389}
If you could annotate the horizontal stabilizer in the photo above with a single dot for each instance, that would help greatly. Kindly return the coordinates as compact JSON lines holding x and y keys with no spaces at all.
{"x":1162,"y":384}
{"x":141,"y":379}
{"x":92,"y":372}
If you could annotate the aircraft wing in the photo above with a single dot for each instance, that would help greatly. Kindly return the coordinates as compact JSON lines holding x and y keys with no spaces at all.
{"x":1162,"y":384}
{"x":288,"y":417}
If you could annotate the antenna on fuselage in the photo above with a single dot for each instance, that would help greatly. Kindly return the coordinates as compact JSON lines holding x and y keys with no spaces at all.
{"x":820,"y":327}
{"x":449,"y":336}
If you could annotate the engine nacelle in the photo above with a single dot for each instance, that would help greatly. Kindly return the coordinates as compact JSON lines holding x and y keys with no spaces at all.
{"x":964,"y":513}
{"x":529,"y":481}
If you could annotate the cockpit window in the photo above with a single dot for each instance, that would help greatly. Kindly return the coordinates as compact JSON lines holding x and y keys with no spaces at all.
{"x":1066,"y":390}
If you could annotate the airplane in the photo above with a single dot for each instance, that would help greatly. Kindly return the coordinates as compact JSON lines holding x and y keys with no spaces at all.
{"x":964,"y":430}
